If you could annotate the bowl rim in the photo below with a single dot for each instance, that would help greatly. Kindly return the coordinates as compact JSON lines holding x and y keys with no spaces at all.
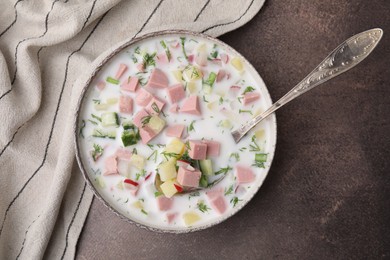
{"x":85,"y":87}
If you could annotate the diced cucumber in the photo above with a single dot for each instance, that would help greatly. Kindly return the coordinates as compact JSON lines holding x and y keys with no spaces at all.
{"x":203,"y":181}
{"x":206,"y":167}
{"x":206,"y":89}
{"x":101,"y":133}
{"x":110,"y":119}
{"x":112,"y":101}
{"x":128,"y":125}
{"x":261,"y":157}
{"x":129,"y":137}
{"x":210,"y":81}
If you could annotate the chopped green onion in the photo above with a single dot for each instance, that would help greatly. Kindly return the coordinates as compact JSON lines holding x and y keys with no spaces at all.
{"x":112,"y":80}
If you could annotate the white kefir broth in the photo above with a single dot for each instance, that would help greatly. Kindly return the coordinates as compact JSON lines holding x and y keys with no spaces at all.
{"x":142,"y":208}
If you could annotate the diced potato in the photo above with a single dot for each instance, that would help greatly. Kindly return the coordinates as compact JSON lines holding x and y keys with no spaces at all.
{"x":168,"y":188}
{"x":137,"y":161}
{"x":212,"y":105}
{"x":178,"y":75}
{"x":192,"y":73}
{"x":260,"y":134}
{"x":237,"y":64}
{"x":112,"y":101}
{"x":190,"y":218}
{"x":167,"y":170}
{"x":192,"y":87}
{"x":156,"y":123}
{"x":101,"y":182}
{"x":226,"y":123}
{"x":138,"y":205}
{"x":100,"y":107}
{"x":257,"y":112}
{"x":201,"y":47}
{"x":175,"y":146}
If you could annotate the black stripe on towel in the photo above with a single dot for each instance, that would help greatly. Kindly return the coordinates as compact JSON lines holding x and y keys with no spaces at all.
{"x":14,"y":21}
{"x":25,"y":235}
{"x":147,"y":20}
{"x":223,"y":24}
{"x":52,"y":126}
{"x":201,"y":10}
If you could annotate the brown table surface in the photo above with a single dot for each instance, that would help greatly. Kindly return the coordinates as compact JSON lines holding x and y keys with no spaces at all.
{"x":327,"y":194}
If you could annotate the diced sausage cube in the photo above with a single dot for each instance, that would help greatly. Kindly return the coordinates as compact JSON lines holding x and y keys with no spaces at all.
{"x":162,"y":58}
{"x":250,"y":97}
{"x":155,"y":106}
{"x":244,"y":174}
{"x":219,"y":204}
{"x":213,"y":147}
{"x":125,"y":104}
{"x":146,"y":134}
{"x":188,"y":178}
{"x":191,"y":106}
{"x":164,"y":203}
{"x":214,"y":193}
{"x":175,"y":131}
{"x":176,"y":93}
{"x":130,"y":84}
{"x":157,"y":79}
{"x":143,"y":97}
{"x":123,"y":154}
{"x":198,"y":150}
{"x":111,"y":165}
{"x":174,"y":108}
{"x":122,"y":68}
{"x":137,"y":120}
{"x":171,"y":217}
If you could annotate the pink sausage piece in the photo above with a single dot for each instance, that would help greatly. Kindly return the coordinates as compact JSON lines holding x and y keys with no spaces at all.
{"x":244,"y":174}
{"x":224,"y":58}
{"x":213,"y":147}
{"x":122,"y":68}
{"x":123,"y":154}
{"x":140,"y":67}
{"x":251,"y":97}
{"x":146,"y":134}
{"x":162,"y":58}
{"x":137,"y":120}
{"x":219,"y":204}
{"x":164,"y":203}
{"x":143,"y":97}
{"x":111,"y":165}
{"x":214,"y":193}
{"x":157,"y":79}
{"x":174,"y":108}
{"x":171,"y":217}
{"x":191,"y":106}
{"x":198,"y":150}
{"x":125,"y":104}
{"x":155,"y":106}
{"x":188,"y":178}
{"x":130,"y":85}
{"x":101,"y":85}
{"x":175,"y":131}
{"x":176,"y":93}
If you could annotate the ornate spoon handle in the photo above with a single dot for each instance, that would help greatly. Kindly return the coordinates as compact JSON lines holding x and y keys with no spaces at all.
{"x":344,"y":57}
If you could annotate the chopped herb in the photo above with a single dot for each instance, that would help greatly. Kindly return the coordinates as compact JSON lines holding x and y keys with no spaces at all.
{"x":137,"y":50}
{"x":96,"y":101}
{"x":220,"y":100}
{"x":236,"y":156}
{"x":126,"y":200}
{"x":202,"y":207}
{"x":148,"y":59}
{"x":229,"y":190}
{"x":248,"y":89}
{"x":160,"y":145}
{"x":135,"y":60}
{"x":193,"y":194}
{"x":224,"y":170}
{"x":242,"y":149}
{"x":82,"y":128}
{"x":213,"y":54}
{"x":157,"y":193}
{"x":169,"y":155}
{"x":142,"y":81}
{"x":205,"y":100}
{"x":144,"y":212}
{"x":239,"y":99}
{"x":234,"y":201}
{"x":183,"y":40}
{"x":260,"y":159}
{"x":145,"y":120}
{"x":167,"y":51}
{"x":191,"y":126}
{"x":96,"y":172}
{"x":130,"y":137}
{"x":135,"y":151}
{"x":112,"y":80}
{"x":245,"y":111}
{"x":211,"y":79}
{"x":155,"y":107}
{"x":192,"y":40}
{"x":153,"y":155}
{"x":96,"y":117}
{"x":140,"y":174}
{"x":96,"y":152}
{"x":150,"y":146}
{"x":254,"y":147}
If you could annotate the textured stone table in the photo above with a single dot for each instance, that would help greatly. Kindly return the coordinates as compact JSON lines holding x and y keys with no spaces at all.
{"x":327,"y":195}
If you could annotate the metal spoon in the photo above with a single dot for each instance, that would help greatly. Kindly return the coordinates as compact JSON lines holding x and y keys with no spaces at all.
{"x":344,"y":57}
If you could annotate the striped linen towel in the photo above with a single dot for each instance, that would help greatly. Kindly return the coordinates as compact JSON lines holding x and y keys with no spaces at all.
{"x":46,"y":50}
